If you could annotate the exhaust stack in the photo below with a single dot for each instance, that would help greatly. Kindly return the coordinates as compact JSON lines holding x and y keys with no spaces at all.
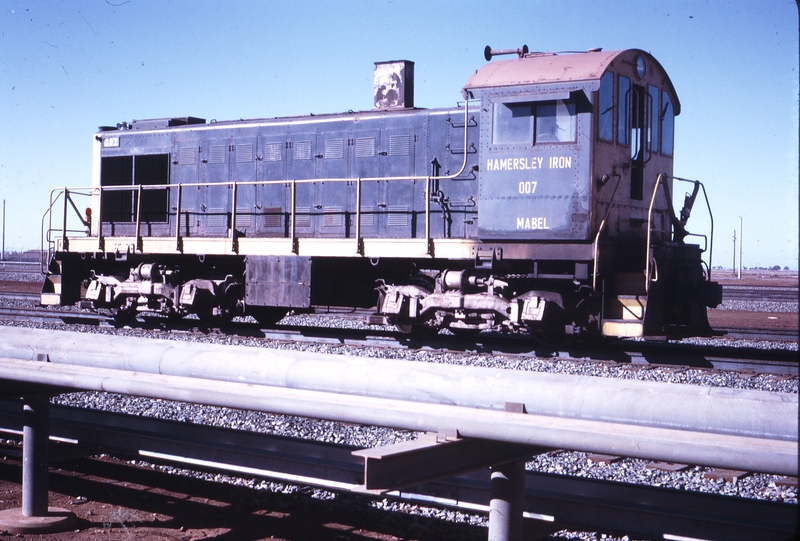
{"x":394,"y":85}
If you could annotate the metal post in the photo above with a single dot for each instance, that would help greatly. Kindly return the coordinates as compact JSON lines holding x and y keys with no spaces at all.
{"x":428,"y":240}
{"x":740,"y":248}
{"x":293,"y":225}
{"x":734,"y":251}
{"x":178,"y":241}
{"x":359,"y":251}
{"x":35,"y":434}
{"x":4,"y":231}
{"x":139,"y":218}
{"x":506,"y":505}
{"x":234,"y":246}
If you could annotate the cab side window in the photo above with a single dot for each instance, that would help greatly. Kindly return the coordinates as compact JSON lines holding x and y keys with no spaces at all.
{"x":667,"y":125}
{"x":605,"y":123}
{"x":624,"y":100}
{"x":653,"y":119}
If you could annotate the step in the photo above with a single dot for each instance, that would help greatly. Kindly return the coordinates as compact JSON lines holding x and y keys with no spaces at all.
{"x":623,"y":328}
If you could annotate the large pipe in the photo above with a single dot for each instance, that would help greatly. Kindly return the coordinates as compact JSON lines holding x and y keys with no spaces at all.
{"x":688,"y":407}
{"x":690,"y":447}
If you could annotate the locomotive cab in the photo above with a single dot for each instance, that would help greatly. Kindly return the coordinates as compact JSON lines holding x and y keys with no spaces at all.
{"x":576,"y":165}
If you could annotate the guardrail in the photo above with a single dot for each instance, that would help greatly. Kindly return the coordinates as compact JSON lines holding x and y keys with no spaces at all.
{"x":509,"y":411}
{"x":578,"y":502}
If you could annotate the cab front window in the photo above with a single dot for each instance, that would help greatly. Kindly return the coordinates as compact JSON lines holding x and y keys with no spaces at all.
{"x":513,"y":123}
{"x":531,"y":123}
{"x":555,"y":122}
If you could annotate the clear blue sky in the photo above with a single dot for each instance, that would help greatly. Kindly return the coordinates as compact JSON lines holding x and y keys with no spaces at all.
{"x":68,"y":67}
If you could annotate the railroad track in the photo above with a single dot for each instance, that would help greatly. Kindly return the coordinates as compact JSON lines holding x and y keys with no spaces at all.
{"x":760,"y":293}
{"x":627,"y":353}
{"x":579,"y":502}
{"x":729,"y":292}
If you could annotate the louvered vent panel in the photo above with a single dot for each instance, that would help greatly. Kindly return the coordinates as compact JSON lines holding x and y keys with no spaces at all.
{"x":334,"y":149}
{"x":188,"y":156}
{"x":273,"y":152}
{"x":217,"y":217}
{"x":216,"y":153}
{"x":367,"y":217}
{"x":365,"y":147}
{"x":273,"y":217}
{"x":333,"y":217}
{"x":399,"y":145}
{"x":303,"y":217}
{"x":244,"y":153}
{"x":302,"y":150}
{"x":244,"y":220}
{"x":398,"y":216}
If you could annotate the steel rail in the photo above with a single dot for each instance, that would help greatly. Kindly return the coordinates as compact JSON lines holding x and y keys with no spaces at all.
{"x":762,"y":454}
{"x":579,"y":502}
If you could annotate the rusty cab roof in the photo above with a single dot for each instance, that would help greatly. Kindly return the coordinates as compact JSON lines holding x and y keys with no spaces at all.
{"x":572,"y":71}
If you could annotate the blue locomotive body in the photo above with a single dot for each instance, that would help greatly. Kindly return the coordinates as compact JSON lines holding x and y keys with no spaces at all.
{"x":541,"y":204}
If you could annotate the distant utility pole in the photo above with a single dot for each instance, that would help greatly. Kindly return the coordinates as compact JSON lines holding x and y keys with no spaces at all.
{"x":734,"y":252}
{"x":740,"y":248}
{"x":4,"y":230}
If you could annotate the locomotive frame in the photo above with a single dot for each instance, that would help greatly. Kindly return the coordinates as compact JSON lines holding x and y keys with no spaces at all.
{"x":541,"y":204}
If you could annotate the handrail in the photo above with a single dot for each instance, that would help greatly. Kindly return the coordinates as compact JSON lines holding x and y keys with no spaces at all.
{"x":710,"y":216}
{"x":599,"y":231}
{"x":47,"y":217}
{"x":48,"y":214}
{"x":649,"y":230}
{"x":710,"y":244}
{"x":293,"y":182}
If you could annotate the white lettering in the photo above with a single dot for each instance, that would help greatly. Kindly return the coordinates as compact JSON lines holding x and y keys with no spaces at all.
{"x":527,"y":187}
{"x":560,"y":162}
{"x":537,"y":222}
{"x":518,"y":164}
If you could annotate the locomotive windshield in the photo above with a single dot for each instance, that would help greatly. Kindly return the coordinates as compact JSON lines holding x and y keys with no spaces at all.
{"x":549,"y":121}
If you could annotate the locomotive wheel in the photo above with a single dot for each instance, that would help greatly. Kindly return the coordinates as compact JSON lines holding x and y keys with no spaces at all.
{"x":465,"y":334}
{"x":121,"y":315}
{"x":211,"y":320}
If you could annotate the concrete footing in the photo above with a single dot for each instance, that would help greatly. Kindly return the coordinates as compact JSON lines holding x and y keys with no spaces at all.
{"x":35,"y":516}
{"x":55,"y":520}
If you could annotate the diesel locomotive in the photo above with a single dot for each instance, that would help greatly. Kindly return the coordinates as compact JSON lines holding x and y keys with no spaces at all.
{"x":541,"y":203}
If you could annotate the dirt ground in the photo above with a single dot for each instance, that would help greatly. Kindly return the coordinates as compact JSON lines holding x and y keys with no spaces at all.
{"x":756,"y":278}
{"x":753,"y":320}
{"x":118,"y":501}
